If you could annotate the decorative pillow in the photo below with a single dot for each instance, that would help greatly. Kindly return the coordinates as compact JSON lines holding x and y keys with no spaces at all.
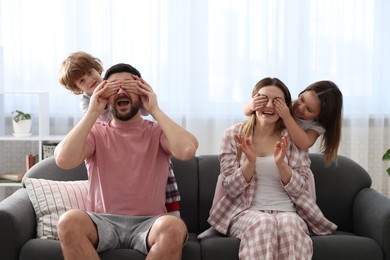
{"x":51,"y":199}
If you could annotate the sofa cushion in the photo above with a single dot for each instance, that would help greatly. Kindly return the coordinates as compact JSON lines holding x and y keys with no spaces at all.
{"x":51,"y":199}
{"x":344,"y":245}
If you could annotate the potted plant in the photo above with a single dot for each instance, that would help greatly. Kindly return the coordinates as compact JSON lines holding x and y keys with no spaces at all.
{"x":386,"y":157}
{"x":21,"y":123}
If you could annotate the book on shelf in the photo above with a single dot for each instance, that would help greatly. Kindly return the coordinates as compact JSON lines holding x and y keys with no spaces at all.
{"x":31,"y":159}
{"x":11,"y":177}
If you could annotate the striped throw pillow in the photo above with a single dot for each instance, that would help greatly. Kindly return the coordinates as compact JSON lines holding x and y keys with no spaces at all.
{"x":51,"y":199}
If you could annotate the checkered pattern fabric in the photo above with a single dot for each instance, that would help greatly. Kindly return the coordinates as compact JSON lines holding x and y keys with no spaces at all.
{"x":172,"y":193}
{"x":271,"y":235}
{"x":240,"y":194}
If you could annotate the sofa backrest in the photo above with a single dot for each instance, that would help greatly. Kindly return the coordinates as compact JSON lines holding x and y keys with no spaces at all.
{"x":48,"y":169}
{"x":196,"y":179}
{"x":336,"y":189}
{"x":336,"y":186}
{"x":187,"y":177}
{"x":209,"y":170}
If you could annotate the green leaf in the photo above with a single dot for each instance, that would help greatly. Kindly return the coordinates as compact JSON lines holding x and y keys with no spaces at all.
{"x":386,"y":156}
{"x":21,"y":116}
{"x":388,"y":171}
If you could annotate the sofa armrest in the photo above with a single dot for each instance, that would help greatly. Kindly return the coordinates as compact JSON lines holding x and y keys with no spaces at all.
{"x":371,"y":218}
{"x":17,"y":224}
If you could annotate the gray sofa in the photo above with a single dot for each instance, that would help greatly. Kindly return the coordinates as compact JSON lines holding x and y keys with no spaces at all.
{"x":343,"y":194}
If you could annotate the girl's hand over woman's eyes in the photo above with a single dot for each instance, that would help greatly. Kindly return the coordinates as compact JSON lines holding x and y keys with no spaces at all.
{"x":281,"y":108}
{"x":258,"y":101}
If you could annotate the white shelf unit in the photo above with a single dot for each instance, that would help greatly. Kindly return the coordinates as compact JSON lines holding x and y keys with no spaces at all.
{"x":14,"y":149}
{"x":37,"y":139}
{"x":10,"y":184}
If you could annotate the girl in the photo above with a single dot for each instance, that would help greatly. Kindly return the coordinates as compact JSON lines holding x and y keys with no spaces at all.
{"x":316,"y":112}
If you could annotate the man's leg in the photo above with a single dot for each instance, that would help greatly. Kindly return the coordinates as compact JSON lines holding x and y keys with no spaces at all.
{"x":166,"y":238}
{"x":78,"y":235}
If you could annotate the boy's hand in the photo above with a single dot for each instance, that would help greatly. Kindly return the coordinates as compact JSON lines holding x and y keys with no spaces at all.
{"x":281,"y":108}
{"x":128,"y":85}
{"x":131,"y":85}
{"x":99,"y":98}
{"x":257,"y":102}
{"x":110,"y":88}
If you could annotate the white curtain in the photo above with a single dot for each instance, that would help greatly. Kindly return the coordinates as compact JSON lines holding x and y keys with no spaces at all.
{"x":203,"y":58}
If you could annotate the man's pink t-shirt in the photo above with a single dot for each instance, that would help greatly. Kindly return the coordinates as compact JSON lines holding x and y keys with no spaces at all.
{"x":128,"y":168}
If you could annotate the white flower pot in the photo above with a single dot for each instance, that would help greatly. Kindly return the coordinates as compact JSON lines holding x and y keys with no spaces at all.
{"x":23,"y":127}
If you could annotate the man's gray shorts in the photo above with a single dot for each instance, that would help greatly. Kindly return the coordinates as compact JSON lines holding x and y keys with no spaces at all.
{"x":117,"y":231}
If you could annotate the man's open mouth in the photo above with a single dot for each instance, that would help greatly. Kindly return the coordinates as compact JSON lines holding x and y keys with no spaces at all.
{"x":122,"y":103}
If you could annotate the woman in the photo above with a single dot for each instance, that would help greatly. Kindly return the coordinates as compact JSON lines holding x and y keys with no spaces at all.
{"x":266,"y":179}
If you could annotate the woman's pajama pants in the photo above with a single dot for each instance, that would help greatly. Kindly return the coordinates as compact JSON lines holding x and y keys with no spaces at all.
{"x":271,"y":235}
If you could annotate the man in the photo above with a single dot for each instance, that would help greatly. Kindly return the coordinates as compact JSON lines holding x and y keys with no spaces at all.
{"x":127,"y":160}
{"x":81,"y":73}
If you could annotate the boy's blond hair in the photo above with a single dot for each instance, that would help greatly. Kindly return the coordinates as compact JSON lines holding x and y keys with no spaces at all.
{"x":75,"y":66}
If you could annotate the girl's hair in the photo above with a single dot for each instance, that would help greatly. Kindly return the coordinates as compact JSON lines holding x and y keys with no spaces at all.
{"x":75,"y":66}
{"x":331,"y":102}
{"x":249,"y":125}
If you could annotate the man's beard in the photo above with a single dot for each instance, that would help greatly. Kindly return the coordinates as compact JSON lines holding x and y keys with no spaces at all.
{"x":133,"y":111}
